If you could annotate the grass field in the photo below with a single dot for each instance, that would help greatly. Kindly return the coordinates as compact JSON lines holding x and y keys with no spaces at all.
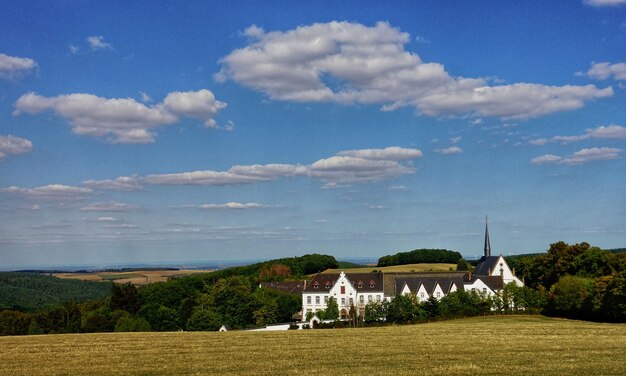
{"x":136,"y":277}
{"x":399,"y":268}
{"x":495,"y":345}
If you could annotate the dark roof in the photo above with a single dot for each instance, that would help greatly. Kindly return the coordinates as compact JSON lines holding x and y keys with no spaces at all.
{"x":290,"y":287}
{"x":362,"y":282}
{"x":486,"y":265}
{"x":429,"y":283}
{"x":444,"y":278}
{"x":495,"y":282}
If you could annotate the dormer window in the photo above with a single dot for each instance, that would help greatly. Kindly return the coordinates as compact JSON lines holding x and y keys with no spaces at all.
{"x":327,"y":285}
{"x":359,"y":285}
{"x":316,"y":285}
{"x":372,"y":284}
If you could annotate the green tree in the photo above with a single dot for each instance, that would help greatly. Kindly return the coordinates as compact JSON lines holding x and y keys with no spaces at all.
{"x":571,"y":296}
{"x":332,"y":310}
{"x":204,"y":319}
{"x":402,"y":309}
{"x":614,"y":300}
{"x":124,"y":297}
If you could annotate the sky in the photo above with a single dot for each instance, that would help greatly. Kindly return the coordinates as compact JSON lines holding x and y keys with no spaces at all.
{"x":147,"y":132}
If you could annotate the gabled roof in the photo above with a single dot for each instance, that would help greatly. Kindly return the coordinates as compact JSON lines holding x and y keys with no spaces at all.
{"x":429,"y":281}
{"x":495,"y":283}
{"x":487,"y":265}
{"x":362,"y":282}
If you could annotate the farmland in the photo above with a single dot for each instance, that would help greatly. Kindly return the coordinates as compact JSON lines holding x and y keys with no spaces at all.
{"x":480,"y":346}
{"x":424,"y":267}
{"x":136,"y":277}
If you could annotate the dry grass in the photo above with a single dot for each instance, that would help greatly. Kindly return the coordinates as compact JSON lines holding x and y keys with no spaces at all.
{"x":522,"y":345}
{"x":399,"y":268}
{"x":136,"y":277}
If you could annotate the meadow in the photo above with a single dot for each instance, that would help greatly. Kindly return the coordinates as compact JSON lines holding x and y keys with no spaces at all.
{"x":423,"y":267}
{"x":136,"y":277}
{"x":493,"y":345}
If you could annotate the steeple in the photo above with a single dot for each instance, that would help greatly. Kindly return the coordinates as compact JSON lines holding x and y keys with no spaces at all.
{"x":487,"y":244}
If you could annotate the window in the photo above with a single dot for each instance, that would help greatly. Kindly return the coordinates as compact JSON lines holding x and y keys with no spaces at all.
{"x":343,"y":289}
{"x":378,"y":298}
{"x":308,"y":300}
{"x":317,"y":300}
{"x":362,"y":298}
{"x":372,"y":284}
{"x":485,"y":290}
{"x":351,"y":301}
{"x":473,"y":289}
{"x":438,"y":294}
{"x":422,"y":295}
{"x":343,"y":301}
{"x":369,"y":298}
{"x":316,"y":285}
{"x":359,"y":285}
{"x":327,"y":285}
{"x":326,"y":300}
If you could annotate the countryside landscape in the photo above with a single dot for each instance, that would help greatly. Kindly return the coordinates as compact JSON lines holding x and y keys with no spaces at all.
{"x":355,"y":187}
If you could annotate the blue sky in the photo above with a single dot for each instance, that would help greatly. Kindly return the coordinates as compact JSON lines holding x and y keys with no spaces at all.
{"x":135,"y":132}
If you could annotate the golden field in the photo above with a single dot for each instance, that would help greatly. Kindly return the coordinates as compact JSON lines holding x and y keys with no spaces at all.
{"x":136,"y":277}
{"x":494,"y":345}
{"x":398,"y":268}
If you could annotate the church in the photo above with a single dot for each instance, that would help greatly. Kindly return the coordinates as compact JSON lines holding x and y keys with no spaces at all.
{"x":359,"y":289}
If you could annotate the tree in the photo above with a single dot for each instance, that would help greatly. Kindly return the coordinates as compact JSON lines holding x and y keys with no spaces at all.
{"x":124,"y":297}
{"x":571,"y":297}
{"x":332,"y":309}
{"x":614,"y":301}
{"x":402,"y":309}
{"x":375,"y":312}
{"x":204,"y":319}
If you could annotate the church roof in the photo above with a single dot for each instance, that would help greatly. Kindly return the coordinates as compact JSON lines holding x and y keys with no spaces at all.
{"x":486,"y":265}
{"x":362,"y":282}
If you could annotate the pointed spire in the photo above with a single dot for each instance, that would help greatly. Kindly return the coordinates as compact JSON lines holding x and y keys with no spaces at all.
{"x":487,"y":244}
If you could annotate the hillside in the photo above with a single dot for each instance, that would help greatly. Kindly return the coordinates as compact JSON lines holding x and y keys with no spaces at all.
{"x":516,"y":345}
{"x":34,"y":291}
{"x":397,"y":268}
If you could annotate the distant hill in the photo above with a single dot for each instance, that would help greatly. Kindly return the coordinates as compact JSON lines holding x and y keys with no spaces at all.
{"x":34,"y":291}
{"x":423,"y":267}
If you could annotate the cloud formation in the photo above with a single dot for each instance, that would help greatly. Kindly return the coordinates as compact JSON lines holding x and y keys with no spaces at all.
{"x":604,"y":3}
{"x":613,"y":131}
{"x":233,"y":205}
{"x":97,"y":43}
{"x":121,"y":120}
{"x":12,"y":67}
{"x":347,"y":63}
{"x":580,"y":157}
{"x":110,"y":206}
{"x":346,"y":167}
{"x":14,"y":145}
{"x":450,"y":150}
{"x":122,"y":183}
{"x":53,"y":192}
{"x":605,"y":70}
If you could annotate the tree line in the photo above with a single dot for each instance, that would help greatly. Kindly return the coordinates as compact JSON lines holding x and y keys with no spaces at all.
{"x":419,"y":256}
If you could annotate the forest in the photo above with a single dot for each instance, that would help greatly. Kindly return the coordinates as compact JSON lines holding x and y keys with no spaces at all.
{"x":419,"y":256}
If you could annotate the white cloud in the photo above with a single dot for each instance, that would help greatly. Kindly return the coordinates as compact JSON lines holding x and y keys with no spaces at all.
{"x":581,"y":156}
{"x":604,"y":3}
{"x":98,"y":43}
{"x":110,"y":206}
{"x":199,"y":104}
{"x":604,"y":71}
{"x":73,"y":49}
{"x":145,"y":98}
{"x":122,"y":183}
{"x":233,"y":205}
{"x":612,"y":131}
{"x":450,"y":150}
{"x":370,"y":65}
{"x":53,"y":192}
{"x":12,"y":67}
{"x":455,"y":140}
{"x":14,"y":145}
{"x":352,"y":166}
{"x":121,"y":120}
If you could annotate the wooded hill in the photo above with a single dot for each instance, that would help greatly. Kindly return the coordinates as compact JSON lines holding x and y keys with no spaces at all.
{"x":419,"y":256}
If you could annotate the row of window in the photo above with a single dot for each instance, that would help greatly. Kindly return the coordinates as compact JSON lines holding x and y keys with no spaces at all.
{"x":328,"y":285}
{"x":343,"y":300}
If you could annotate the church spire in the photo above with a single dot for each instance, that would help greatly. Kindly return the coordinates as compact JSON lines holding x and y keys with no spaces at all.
{"x":487,"y":244}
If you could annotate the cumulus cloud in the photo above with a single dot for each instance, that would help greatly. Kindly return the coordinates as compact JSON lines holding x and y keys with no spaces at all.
{"x":110,"y":206}
{"x":233,"y":205}
{"x":613,"y":131}
{"x":12,"y":67}
{"x":122,"y":183}
{"x":450,"y":150}
{"x":605,"y":70}
{"x":14,"y":145}
{"x":604,"y":3}
{"x":121,"y":120}
{"x":97,"y":43}
{"x":53,"y":192}
{"x":348,"y":63}
{"x":351,"y":166}
{"x":199,"y":104}
{"x":580,"y":157}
